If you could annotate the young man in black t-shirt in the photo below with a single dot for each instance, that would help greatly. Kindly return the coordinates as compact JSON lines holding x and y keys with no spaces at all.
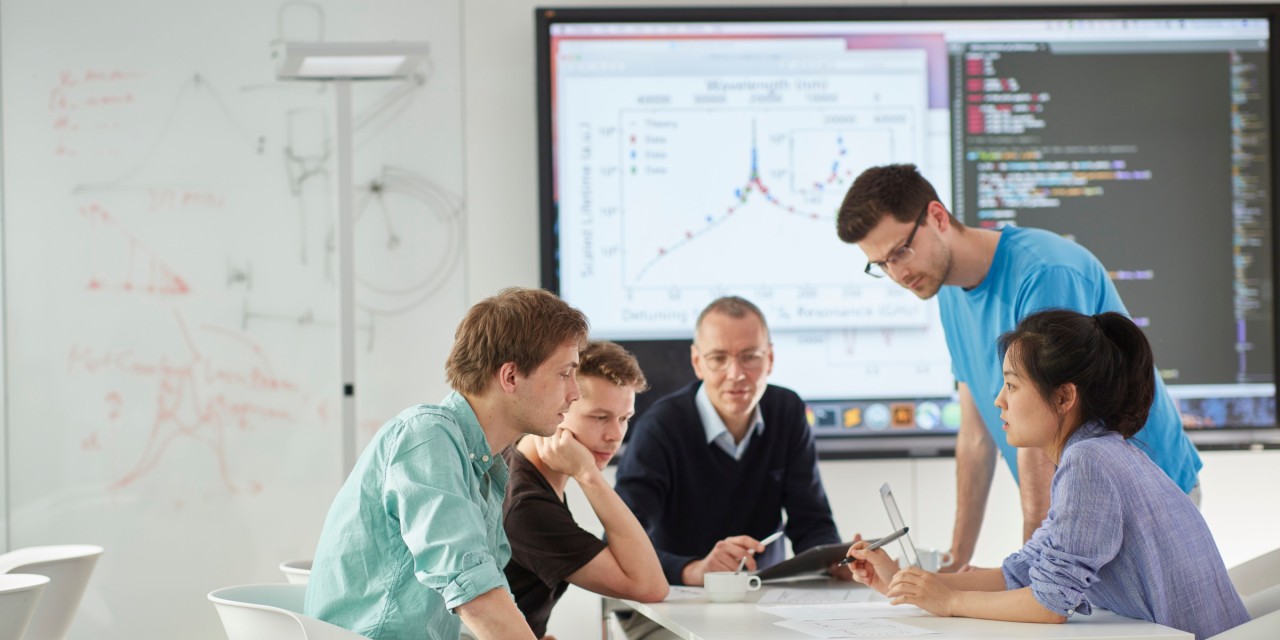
{"x":549,"y":551}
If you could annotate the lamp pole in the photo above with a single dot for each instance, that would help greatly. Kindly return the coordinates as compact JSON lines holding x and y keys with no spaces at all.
{"x":340,"y":63}
{"x":345,"y":229}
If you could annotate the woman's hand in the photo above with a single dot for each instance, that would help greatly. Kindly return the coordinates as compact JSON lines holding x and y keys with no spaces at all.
{"x":872,"y":568}
{"x":923,"y":589}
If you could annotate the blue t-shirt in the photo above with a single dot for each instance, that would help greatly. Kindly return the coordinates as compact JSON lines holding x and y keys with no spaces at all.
{"x":1033,"y":270}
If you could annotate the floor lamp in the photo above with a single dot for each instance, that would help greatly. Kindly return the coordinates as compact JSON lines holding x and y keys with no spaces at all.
{"x":342,"y":63}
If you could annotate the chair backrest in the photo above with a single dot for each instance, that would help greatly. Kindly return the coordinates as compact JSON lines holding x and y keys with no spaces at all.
{"x":272,"y":612}
{"x":19,"y":595}
{"x":1257,"y":574}
{"x":68,"y":567}
{"x":1264,"y":628}
{"x":296,"y":571}
{"x":1263,"y":602}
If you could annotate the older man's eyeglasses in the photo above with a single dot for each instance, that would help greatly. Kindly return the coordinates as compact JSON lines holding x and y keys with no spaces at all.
{"x":880,"y":268}
{"x":750,"y":361}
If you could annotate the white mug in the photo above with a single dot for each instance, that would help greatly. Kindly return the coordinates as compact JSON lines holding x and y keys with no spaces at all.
{"x":932,"y":560}
{"x":729,"y":586}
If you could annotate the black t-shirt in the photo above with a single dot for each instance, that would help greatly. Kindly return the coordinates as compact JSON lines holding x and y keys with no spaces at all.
{"x":546,"y":544}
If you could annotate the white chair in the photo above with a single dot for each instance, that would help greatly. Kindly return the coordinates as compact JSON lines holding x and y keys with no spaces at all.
{"x":1257,"y":574}
{"x":271,"y":612}
{"x":19,"y":595}
{"x":1263,"y":602}
{"x":1265,"y":628}
{"x":68,"y":567}
{"x":296,"y":571}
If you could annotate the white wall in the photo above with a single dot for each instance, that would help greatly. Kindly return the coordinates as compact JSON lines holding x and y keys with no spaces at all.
{"x":171,"y":350}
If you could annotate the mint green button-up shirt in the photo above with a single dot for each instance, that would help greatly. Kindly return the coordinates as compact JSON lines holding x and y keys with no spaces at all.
{"x":416,"y":530}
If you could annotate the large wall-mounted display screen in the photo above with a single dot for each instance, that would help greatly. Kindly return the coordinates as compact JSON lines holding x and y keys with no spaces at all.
{"x":689,"y":154}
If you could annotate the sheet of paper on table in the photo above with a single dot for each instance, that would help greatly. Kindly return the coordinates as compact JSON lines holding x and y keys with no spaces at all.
{"x":678,"y":593}
{"x":854,"y":628}
{"x":814,"y":596}
{"x":843,"y":611}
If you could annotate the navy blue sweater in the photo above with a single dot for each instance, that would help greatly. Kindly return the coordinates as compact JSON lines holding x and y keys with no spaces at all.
{"x":689,"y":494}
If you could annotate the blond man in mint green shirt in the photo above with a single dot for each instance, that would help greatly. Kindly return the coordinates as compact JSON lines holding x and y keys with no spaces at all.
{"x":413,"y":544}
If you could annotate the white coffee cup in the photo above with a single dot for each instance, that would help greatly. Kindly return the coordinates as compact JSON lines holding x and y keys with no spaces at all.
{"x":729,"y":586}
{"x":932,"y":560}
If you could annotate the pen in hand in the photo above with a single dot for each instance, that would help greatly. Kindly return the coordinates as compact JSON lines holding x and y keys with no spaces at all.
{"x":765,"y":542}
{"x":769,"y":539}
{"x":877,"y":544}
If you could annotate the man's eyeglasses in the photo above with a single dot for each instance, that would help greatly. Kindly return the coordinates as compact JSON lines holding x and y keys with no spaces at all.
{"x":880,"y":268}
{"x":750,"y":361}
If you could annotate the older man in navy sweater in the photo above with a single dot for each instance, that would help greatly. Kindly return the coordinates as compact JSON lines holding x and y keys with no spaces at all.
{"x":710,"y":468}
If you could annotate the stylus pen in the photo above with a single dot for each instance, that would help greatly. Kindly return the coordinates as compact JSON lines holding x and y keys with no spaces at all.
{"x":766,"y":542}
{"x":878,"y":543}
{"x":769,"y":539}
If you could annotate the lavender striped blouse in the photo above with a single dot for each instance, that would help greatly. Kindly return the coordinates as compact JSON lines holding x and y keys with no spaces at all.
{"x":1121,"y":536}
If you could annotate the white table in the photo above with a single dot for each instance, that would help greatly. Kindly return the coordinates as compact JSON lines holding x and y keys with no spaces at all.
{"x":703,"y":620}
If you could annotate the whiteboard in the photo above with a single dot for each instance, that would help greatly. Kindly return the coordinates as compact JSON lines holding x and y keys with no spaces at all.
{"x":171,"y":341}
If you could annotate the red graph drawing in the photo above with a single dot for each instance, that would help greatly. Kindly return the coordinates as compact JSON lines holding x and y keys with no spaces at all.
{"x":121,"y":262}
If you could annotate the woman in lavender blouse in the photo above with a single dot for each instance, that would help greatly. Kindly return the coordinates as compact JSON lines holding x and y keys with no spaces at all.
{"x":1120,"y":535}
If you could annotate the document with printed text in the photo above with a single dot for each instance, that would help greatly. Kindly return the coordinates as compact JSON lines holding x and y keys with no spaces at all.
{"x":814,"y":596}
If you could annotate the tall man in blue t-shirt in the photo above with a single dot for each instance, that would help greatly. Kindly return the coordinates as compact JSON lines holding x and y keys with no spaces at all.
{"x":986,"y":282}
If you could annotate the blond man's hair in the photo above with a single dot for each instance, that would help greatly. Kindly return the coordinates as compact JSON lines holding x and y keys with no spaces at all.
{"x":608,"y":361}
